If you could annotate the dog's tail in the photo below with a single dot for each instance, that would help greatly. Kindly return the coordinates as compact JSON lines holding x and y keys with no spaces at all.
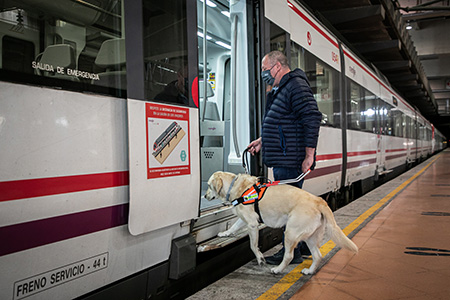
{"x":337,"y":235}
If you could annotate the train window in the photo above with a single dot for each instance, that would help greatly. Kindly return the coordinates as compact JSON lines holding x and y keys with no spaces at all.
{"x":408,"y":127}
{"x":414,"y":129}
{"x":404,"y":125}
{"x":166,"y":51}
{"x":385,"y":115}
{"x":323,"y":81}
{"x":277,"y":38}
{"x":73,"y":44}
{"x":354,"y":118}
{"x":17,"y":54}
{"x":397,"y":122}
{"x":368,"y":112}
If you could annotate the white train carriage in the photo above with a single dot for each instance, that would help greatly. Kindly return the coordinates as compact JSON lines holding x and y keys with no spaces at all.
{"x":87,"y":87}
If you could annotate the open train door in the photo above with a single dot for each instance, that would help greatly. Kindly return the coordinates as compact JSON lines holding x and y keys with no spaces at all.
{"x":163,"y":127}
{"x":226,"y":89}
{"x":230,"y":111}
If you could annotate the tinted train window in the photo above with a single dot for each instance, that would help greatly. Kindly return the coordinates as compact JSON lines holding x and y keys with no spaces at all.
{"x":323,"y":81}
{"x":408,"y":127}
{"x":277,"y":38}
{"x":64,"y":43}
{"x":397,"y":122}
{"x":386,"y":119}
{"x":166,"y":51}
{"x":368,"y":112}
{"x":364,"y":112}
{"x":356,"y":101}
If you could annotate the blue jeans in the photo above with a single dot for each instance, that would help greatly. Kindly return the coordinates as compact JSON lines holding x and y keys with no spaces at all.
{"x":281,"y":173}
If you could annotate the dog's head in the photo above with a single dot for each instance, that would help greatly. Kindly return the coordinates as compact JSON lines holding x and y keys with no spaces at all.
{"x":219,"y":185}
{"x":215,"y":187}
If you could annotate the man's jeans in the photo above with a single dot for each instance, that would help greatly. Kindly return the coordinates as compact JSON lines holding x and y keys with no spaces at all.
{"x":290,"y":173}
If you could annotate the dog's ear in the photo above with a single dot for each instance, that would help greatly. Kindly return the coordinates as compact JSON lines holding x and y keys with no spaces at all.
{"x":218,"y":184}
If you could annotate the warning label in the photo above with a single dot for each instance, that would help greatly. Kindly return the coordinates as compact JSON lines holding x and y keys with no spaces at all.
{"x":50,"y":279}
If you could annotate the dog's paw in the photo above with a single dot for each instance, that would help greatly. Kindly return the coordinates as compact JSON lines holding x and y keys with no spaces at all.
{"x":223,"y":234}
{"x":275,"y":270}
{"x":307,"y":271}
{"x":261,"y":261}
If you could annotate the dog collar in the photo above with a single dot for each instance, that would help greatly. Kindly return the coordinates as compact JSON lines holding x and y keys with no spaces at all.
{"x":227,"y":199}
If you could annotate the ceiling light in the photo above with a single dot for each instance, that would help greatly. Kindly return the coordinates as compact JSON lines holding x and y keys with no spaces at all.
{"x":200,"y":34}
{"x":209,"y":3}
{"x":223,"y":45}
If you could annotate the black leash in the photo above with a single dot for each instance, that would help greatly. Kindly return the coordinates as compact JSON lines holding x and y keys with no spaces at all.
{"x":245,"y":161}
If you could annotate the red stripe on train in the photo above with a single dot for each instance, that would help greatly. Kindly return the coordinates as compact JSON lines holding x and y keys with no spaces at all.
{"x":30,"y":188}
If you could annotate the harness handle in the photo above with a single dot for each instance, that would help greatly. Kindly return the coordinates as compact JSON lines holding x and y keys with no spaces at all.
{"x":300,"y":177}
{"x":285,"y":181}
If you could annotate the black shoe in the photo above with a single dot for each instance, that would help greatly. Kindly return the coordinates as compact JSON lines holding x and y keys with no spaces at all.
{"x":304,"y":249}
{"x":278,"y":257}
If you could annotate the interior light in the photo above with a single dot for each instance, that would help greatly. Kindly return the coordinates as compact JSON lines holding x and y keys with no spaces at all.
{"x":209,"y":3}
{"x":200,"y":34}
{"x":408,"y":26}
{"x":226,"y":13}
{"x":220,"y":43}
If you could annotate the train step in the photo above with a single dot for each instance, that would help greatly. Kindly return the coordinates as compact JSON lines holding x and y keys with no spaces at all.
{"x":220,"y":242}
{"x":385,"y":172}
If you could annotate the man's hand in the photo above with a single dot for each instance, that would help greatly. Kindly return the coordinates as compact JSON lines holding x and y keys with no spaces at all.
{"x":309,"y":159}
{"x":255,"y":146}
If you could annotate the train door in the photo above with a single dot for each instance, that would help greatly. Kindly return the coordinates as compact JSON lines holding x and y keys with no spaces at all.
{"x":162,"y":105}
{"x":224,"y":89}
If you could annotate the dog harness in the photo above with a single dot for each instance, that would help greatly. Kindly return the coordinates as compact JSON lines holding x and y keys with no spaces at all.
{"x":253,"y":195}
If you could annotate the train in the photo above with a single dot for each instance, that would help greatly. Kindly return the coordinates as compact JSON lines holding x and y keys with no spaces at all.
{"x":165,"y":136}
{"x":85,"y":213}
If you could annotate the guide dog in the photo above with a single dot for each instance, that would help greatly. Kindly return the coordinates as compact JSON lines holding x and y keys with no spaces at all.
{"x":305,"y":216}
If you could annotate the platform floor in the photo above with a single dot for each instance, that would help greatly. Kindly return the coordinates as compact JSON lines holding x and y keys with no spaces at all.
{"x":402,"y":230}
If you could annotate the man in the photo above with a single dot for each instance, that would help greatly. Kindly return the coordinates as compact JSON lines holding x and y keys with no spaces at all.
{"x":290,"y":128}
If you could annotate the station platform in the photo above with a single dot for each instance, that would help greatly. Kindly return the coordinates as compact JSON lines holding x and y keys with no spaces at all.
{"x":402,"y":229}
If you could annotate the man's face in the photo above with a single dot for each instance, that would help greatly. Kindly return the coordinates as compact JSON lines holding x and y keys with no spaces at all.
{"x":273,"y":69}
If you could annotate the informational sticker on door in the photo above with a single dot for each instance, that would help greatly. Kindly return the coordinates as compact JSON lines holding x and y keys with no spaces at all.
{"x":44,"y":281}
{"x":167,"y":140}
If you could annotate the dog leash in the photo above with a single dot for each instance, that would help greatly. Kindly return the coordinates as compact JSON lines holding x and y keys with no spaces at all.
{"x":245,"y":160}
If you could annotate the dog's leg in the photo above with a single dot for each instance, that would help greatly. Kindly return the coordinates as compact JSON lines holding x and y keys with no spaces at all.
{"x":254,"y":238}
{"x":313,"y":243}
{"x":233,"y":229}
{"x":290,"y":242}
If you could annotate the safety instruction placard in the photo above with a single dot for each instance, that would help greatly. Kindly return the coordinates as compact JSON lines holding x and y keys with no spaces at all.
{"x":167,"y":140}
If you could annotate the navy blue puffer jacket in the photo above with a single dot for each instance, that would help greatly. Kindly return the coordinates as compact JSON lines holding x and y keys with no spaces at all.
{"x":291,"y":122}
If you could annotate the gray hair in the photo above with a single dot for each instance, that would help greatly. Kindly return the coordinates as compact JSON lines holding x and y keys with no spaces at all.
{"x":277,"y":56}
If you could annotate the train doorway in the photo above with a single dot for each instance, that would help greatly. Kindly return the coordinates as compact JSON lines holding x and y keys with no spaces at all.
{"x":224,"y":99}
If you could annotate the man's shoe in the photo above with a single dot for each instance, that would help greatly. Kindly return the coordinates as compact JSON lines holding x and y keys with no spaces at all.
{"x":304,"y":249}
{"x":278,"y":257}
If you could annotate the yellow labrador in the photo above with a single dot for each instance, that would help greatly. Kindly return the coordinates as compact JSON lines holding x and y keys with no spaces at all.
{"x":304,"y":215}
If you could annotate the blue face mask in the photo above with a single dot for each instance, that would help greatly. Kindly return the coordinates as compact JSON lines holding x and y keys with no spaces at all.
{"x":267,"y":77}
